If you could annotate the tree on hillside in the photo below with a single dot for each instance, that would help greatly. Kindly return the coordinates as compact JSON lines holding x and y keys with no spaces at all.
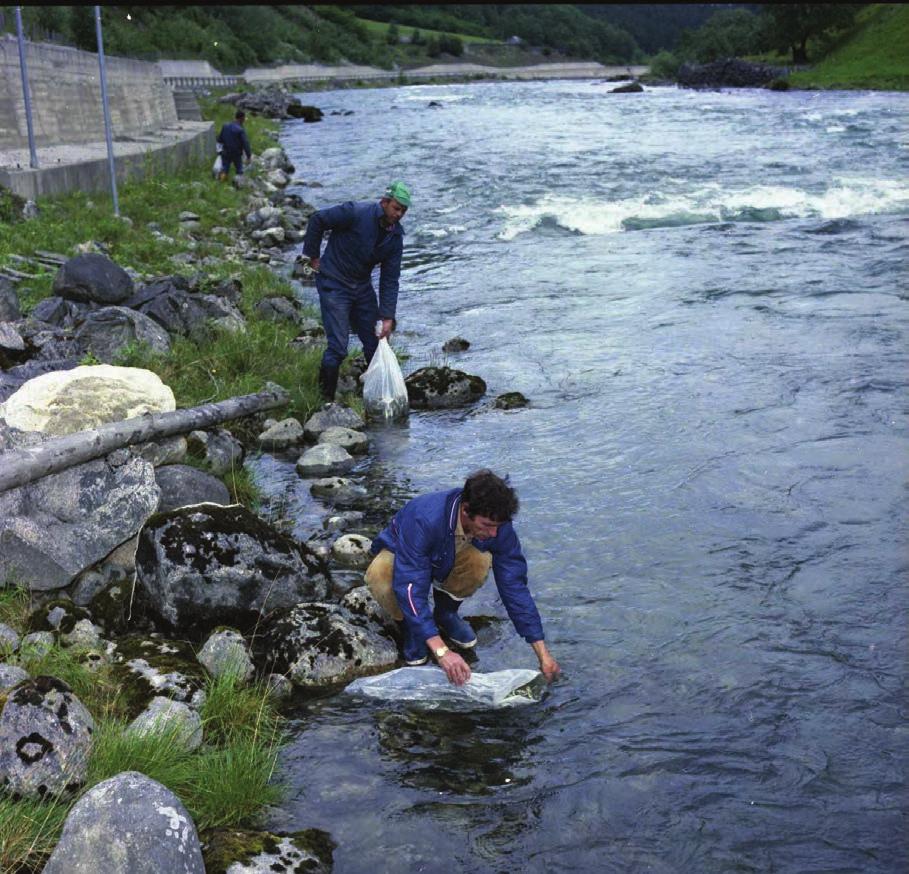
{"x":392,"y":35}
{"x":793,"y":24}
{"x":729,"y":33}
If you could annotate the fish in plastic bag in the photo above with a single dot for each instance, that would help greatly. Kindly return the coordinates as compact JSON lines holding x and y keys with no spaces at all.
{"x":430,"y":688}
{"x":384,"y":391}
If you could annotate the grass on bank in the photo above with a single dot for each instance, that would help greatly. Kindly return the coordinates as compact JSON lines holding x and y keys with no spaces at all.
{"x":225,"y":782}
{"x":873,"y":56}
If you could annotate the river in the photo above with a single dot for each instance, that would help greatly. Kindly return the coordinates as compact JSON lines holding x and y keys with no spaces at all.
{"x":703,"y":294}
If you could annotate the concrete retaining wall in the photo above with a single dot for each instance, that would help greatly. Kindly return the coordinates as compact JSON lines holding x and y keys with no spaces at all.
{"x":93,"y":175}
{"x":65,"y":93}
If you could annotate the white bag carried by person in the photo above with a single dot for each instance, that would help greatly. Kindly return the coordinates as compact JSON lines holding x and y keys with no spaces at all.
{"x":216,"y":167}
{"x":384,"y":392}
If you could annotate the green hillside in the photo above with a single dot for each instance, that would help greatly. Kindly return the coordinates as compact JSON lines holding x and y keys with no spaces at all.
{"x":874,"y":55}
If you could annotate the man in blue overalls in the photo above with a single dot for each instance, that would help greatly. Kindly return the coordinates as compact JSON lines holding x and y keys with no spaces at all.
{"x":235,"y":144}
{"x":446,"y":543}
{"x":363,"y":234}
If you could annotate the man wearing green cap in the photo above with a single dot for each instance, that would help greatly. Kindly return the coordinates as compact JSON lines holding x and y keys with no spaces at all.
{"x":363,"y":234}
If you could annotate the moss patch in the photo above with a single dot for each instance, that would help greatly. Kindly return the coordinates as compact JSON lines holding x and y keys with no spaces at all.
{"x":223,"y":847}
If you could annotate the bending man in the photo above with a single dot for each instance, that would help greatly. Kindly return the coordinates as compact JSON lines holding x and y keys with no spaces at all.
{"x":363,"y":234}
{"x":447,"y":541}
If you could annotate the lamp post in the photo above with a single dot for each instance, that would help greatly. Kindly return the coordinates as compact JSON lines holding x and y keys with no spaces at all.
{"x":32,"y":152}
{"x":104,"y":103}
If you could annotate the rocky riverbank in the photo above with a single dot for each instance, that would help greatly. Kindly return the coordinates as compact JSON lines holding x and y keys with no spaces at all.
{"x":138,"y":564}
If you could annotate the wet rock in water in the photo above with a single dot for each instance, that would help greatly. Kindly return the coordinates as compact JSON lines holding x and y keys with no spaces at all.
{"x":183,"y":486}
{"x":630,"y":88}
{"x":354,"y":442}
{"x":339,"y":491}
{"x":45,"y":739}
{"x":224,"y":653}
{"x":105,"y":332}
{"x":201,"y":567}
{"x":62,"y":402}
{"x":93,"y":277}
{"x":324,"y":458}
{"x":11,"y":675}
{"x":168,"y":717}
{"x":433,"y":388}
{"x":511,"y":400}
{"x":360,"y":602}
{"x":352,"y":550}
{"x":456,"y":344}
{"x":282,"y":435}
{"x":307,"y":113}
{"x":332,"y":415}
{"x":241,"y":851}
{"x":342,"y":521}
{"x":218,"y":448}
{"x":146,"y":667}
{"x":320,"y":644}
{"x":129,"y":824}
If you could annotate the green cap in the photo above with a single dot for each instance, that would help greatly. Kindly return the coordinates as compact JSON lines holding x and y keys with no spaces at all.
{"x":400,"y":192}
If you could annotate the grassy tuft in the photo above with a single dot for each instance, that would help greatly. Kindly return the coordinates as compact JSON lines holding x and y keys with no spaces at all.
{"x":15,"y":604}
{"x":233,"y":710}
{"x":29,"y":831}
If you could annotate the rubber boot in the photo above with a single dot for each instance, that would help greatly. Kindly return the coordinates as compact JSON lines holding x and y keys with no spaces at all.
{"x":445,"y":613}
{"x":415,"y":652}
{"x":328,"y":382}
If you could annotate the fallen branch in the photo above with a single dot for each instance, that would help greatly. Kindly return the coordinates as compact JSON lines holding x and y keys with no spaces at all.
{"x":22,"y":466}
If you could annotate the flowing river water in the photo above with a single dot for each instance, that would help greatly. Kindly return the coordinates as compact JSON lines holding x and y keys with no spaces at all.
{"x":704,"y":296}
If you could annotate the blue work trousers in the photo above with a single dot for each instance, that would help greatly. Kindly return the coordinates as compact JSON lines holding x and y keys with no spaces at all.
{"x":236,"y":160}
{"x":345,"y":310}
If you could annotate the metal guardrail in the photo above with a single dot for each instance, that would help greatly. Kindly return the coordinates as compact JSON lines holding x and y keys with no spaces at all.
{"x":202,"y":81}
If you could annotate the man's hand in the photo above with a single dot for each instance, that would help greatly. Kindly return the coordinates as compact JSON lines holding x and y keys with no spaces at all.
{"x":314,"y":263}
{"x":388,"y":326}
{"x":549,"y":667}
{"x":456,"y":669}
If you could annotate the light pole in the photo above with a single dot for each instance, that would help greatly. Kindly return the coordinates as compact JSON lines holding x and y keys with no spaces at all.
{"x":107,"y":133}
{"x":33,"y":154}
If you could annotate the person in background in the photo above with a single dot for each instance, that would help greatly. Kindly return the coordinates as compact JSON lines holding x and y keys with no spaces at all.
{"x":234,"y":144}
{"x":363,"y":234}
{"x":446,"y":542}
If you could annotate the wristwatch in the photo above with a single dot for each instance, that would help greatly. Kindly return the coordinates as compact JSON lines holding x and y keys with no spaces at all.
{"x":441,"y":652}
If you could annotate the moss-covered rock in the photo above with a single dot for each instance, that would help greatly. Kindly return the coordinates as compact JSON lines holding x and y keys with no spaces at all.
{"x":58,"y":616}
{"x":307,"y":851}
{"x":432,"y":388}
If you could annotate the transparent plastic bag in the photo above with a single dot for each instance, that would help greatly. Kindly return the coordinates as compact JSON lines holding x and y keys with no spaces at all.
{"x":216,"y":167}
{"x":384,"y":392}
{"x":429,"y":688}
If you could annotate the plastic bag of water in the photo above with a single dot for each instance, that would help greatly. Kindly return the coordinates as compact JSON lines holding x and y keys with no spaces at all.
{"x":429,"y":688}
{"x":384,"y":392}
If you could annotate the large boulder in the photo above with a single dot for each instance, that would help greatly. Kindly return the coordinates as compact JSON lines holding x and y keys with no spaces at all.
{"x":432,"y":388}
{"x":62,"y":402}
{"x":320,"y":644}
{"x":105,"y":332}
{"x":205,"y":566}
{"x":93,"y":277}
{"x":45,"y":739}
{"x":53,"y":529}
{"x":182,"y":486}
{"x":129,"y":824}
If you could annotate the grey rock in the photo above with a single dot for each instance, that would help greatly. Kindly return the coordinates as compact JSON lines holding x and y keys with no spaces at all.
{"x":167,"y":450}
{"x":630,"y":88}
{"x":11,"y":675}
{"x":433,"y":388}
{"x":173,"y":718}
{"x":129,"y":824}
{"x":153,"y":666}
{"x":106,"y":331}
{"x":30,"y":210}
{"x":93,"y":277}
{"x":45,"y":739}
{"x":339,"y":491}
{"x":352,"y":550}
{"x":343,"y":521}
{"x":9,"y":301}
{"x":182,"y":486}
{"x":187,"y":216}
{"x":355,"y":442}
{"x":360,"y":602}
{"x":330,"y":415}
{"x":278,"y":309}
{"x":225,"y":653}
{"x":56,"y":527}
{"x":37,"y":643}
{"x":59,"y":312}
{"x":282,"y":435}
{"x":325,"y":458}
{"x":207,"y":566}
{"x":9,"y":638}
{"x":455,"y":344}
{"x":84,"y":635}
{"x":511,"y":400}
{"x":182,"y":312}
{"x":219,"y":449}
{"x":10,"y":339}
{"x":321,"y":644}
{"x":278,"y":687}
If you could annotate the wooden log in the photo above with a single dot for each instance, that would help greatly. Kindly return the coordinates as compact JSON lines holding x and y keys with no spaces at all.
{"x":22,"y":466}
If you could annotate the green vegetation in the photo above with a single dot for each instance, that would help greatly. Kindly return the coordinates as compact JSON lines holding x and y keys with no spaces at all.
{"x":225,"y":782}
{"x":873,"y":56}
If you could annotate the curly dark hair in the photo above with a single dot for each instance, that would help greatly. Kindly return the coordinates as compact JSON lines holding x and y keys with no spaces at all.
{"x":486,"y":494}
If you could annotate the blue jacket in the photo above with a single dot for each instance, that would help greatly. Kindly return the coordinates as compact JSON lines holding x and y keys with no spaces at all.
{"x":422,"y":537}
{"x":233,"y":138}
{"x":357,"y":243}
